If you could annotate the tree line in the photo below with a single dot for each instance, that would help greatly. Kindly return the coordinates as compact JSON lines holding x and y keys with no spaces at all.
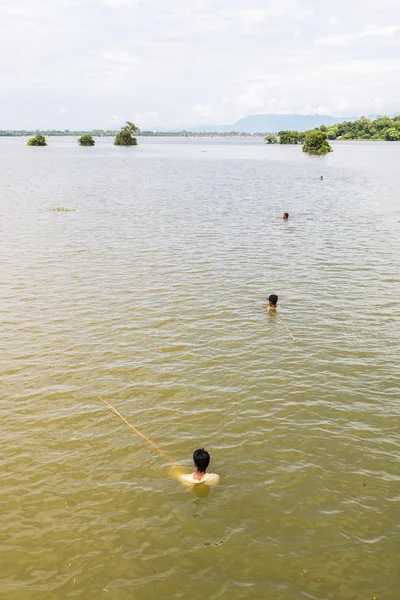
{"x":382,"y":128}
{"x":113,"y":132}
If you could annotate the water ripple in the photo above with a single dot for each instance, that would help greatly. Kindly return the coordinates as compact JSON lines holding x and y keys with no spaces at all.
{"x":149,"y":295}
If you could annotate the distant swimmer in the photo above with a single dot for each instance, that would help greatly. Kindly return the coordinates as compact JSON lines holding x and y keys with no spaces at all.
{"x":201,"y":459}
{"x":322,"y":177}
{"x":272,"y":304}
{"x":272,"y":301}
{"x":284,"y":217}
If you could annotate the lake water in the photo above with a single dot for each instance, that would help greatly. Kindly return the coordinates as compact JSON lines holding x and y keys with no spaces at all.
{"x":148,"y":295}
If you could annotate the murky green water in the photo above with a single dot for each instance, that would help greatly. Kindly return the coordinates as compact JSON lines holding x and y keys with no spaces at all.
{"x":149,"y":295}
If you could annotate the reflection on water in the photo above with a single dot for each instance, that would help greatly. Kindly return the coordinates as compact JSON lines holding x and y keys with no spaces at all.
{"x":149,"y":295}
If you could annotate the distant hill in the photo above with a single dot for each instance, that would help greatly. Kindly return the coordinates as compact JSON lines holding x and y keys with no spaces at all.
{"x":274,"y":123}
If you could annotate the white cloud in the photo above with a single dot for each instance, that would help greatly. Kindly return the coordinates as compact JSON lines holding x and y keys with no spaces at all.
{"x":389,"y":30}
{"x":117,"y":120}
{"x":202,"y":111}
{"x":118,"y":3}
{"x":178,"y":62}
{"x":334,"y":41}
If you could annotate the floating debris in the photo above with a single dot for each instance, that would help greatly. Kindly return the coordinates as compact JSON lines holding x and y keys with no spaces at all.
{"x":216,"y":543}
{"x":62,"y":209}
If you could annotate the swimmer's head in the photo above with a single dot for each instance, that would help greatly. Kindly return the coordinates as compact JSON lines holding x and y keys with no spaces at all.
{"x":285,"y":215}
{"x":273,"y":300}
{"x":201,"y":459}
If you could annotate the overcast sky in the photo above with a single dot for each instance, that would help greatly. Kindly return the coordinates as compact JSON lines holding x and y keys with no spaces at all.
{"x":95,"y":63}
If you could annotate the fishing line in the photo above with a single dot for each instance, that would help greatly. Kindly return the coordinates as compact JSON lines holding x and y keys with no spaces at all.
{"x":157,"y":448}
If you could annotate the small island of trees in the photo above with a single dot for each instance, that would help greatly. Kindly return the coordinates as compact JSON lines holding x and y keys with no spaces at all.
{"x":86,"y":140}
{"x":125,"y":137}
{"x":316,"y":143}
{"x":292,"y":137}
{"x":37,"y":140}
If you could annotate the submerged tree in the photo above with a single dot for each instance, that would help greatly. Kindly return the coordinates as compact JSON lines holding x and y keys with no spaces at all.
{"x":271,"y":139}
{"x":86,"y":140}
{"x":316,"y":142}
{"x":37,"y":140}
{"x":125,"y":137}
{"x":289,"y":137}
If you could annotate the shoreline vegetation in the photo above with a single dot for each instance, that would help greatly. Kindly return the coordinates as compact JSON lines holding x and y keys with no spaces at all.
{"x":383,"y":129}
{"x":380,"y":129}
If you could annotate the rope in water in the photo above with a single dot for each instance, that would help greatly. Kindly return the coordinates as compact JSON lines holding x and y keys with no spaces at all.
{"x":272,"y":312}
{"x":157,"y":448}
{"x":284,"y":324}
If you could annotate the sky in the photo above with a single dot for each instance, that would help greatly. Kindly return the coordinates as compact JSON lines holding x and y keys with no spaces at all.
{"x":83,"y":64}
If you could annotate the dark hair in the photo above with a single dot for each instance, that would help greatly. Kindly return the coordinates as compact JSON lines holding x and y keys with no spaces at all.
{"x":286,"y":215}
{"x":273,"y":299}
{"x":201,"y":459}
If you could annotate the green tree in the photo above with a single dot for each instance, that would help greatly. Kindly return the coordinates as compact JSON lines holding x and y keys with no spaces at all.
{"x":317,"y":143}
{"x":125,"y":137}
{"x":344,"y":127}
{"x":392,"y":134}
{"x":301,"y":137}
{"x":332,"y":133}
{"x":370,"y":128}
{"x":86,"y":140}
{"x":132,"y":127}
{"x":37,"y":140}
{"x":271,"y":139}
{"x":383,"y":123}
{"x":288,"y":137}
